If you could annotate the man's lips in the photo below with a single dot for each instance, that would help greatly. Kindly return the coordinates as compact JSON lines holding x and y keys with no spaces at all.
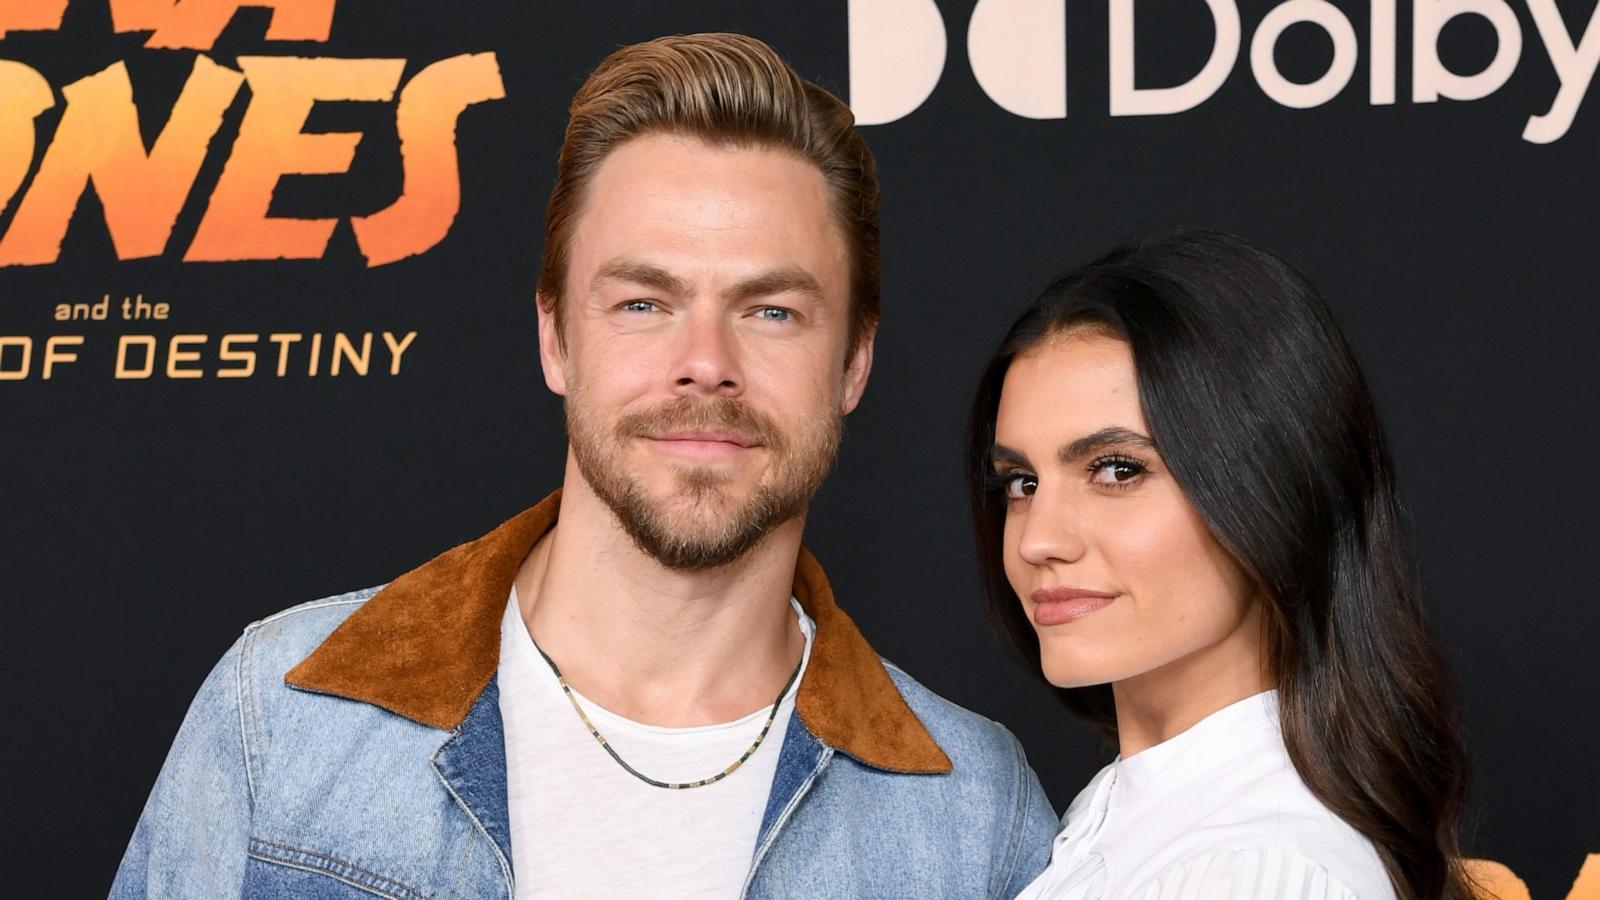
{"x":703,"y":444}
{"x":1059,"y":605}
{"x":705,"y":437}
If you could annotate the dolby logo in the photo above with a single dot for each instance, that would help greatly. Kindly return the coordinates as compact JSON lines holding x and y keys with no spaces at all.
{"x":1018,"y":53}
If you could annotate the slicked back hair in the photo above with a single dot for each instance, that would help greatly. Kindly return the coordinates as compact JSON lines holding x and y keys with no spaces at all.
{"x":728,"y":90}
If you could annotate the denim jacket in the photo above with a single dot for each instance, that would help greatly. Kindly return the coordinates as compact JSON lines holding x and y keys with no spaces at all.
{"x":352,"y":747}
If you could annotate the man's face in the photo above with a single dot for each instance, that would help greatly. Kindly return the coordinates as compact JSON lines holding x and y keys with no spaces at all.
{"x":705,"y":365}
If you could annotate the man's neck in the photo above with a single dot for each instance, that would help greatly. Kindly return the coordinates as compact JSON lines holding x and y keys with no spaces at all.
{"x":659,"y":646}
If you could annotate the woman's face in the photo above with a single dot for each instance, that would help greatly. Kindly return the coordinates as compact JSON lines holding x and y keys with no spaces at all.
{"x":1118,"y":574}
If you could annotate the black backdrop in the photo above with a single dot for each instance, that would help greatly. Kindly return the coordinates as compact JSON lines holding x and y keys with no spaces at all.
{"x":144,"y":522}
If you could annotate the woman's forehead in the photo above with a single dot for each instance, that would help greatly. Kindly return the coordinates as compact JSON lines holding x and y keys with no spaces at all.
{"x":1067,"y":386}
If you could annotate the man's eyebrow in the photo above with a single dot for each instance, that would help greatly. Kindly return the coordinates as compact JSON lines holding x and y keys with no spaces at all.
{"x":791,"y":279}
{"x":1112,"y":438}
{"x":643,"y":274}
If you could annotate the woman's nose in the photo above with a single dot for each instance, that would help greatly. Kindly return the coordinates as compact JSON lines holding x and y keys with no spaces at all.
{"x":1050,"y":530}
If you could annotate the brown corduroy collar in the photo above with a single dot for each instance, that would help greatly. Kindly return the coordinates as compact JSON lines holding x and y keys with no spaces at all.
{"x":426,"y":645}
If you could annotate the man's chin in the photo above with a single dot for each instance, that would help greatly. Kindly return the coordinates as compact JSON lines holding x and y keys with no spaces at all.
{"x":696,"y":530}
{"x":684,"y":505}
{"x":689,"y":486}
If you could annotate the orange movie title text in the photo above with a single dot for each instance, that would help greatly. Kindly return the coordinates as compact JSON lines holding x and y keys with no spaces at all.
{"x":142,"y":189}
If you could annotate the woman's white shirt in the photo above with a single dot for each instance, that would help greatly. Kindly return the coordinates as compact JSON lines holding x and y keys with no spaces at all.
{"x":1215,"y":812}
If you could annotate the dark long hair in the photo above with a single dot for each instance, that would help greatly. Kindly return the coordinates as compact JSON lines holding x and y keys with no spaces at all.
{"x":1260,"y":411}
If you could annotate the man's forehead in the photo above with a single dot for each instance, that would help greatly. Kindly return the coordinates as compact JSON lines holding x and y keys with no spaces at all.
{"x":677,"y":205}
{"x":666,"y":176}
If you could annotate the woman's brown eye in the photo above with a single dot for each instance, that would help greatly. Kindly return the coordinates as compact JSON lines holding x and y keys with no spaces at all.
{"x":1115,"y":472}
{"x":1020,"y":486}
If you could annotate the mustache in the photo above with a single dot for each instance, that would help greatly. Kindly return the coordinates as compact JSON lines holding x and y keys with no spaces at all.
{"x":689,"y":414}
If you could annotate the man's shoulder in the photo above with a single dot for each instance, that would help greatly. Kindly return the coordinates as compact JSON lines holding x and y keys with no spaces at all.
{"x":289,"y":635}
{"x":277,"y":710}
{"x":975,"y":743}
{"x":982,"y":828}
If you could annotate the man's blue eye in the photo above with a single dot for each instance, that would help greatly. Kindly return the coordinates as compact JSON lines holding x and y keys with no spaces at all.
{"x":638,"y":306}
{"x":775,"y":314}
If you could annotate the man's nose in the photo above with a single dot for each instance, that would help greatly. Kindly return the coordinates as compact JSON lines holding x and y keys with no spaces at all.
{"x":708,"y":361}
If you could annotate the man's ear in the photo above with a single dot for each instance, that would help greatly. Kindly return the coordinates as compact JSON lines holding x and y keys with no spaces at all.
{"x":552,"y":348}
{"x":857,"y":368}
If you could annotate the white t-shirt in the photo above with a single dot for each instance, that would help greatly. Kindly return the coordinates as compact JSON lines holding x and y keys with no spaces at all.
{"x":1215,"y":812}
{"x":583,"y":827}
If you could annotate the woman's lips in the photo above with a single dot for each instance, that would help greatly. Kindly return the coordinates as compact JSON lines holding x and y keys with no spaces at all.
{"x":1059,"y":605}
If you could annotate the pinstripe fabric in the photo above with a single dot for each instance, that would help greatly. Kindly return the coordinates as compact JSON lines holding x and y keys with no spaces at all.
{"x":1279,"y":873}
{"x":1215,"y":813}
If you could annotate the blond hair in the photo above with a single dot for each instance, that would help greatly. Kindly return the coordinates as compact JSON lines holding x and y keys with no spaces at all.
{"x":727,"y":89}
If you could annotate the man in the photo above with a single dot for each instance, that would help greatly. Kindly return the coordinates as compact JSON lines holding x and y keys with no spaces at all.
{"x":642,"y":685}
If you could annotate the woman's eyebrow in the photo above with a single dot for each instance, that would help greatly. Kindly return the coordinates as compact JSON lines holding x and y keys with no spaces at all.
{"x":1112,"y":438}
{"x":1000,"y":453}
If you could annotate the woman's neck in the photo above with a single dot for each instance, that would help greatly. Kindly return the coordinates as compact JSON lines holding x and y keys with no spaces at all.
{"x":1158,"y":705}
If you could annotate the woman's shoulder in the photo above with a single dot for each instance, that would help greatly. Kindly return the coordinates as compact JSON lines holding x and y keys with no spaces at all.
{"x":1250,"y":827}
{"x":1278,"y":872}
{"x":1271,"y":837}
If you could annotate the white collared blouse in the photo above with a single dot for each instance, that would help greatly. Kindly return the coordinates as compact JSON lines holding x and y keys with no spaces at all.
{"x":1215,"y":812}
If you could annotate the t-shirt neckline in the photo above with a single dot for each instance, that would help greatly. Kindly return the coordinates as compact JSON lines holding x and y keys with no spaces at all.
{"x":601,"y":715}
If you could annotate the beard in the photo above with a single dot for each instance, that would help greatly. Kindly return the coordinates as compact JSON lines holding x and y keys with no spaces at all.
{"x":703,"y":522}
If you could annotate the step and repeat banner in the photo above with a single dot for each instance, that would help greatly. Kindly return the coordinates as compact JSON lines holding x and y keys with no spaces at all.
{"x":267,"y":327}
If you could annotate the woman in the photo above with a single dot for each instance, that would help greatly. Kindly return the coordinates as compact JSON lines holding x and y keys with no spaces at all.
{"x":1186,"y":521}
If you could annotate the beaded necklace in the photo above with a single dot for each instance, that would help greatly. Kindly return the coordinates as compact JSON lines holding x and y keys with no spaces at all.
{"x":671,"y":786}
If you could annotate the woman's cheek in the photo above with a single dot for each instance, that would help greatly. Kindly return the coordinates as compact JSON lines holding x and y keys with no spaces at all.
{"x":1016,"y":569}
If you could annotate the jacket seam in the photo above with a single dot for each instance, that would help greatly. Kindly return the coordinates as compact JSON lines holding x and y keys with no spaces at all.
{"x":245,"y":697}
{"x":406,"y":892}
{"x":783,"y":818}
{"x":302,"y":867}
{"x":934,"y":697}
{"x":246,"y":721}
{"x":343,"y":599}
{"x":244,"y":677}
{"x":1018,"y":812}
{"x":505,"y":865}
